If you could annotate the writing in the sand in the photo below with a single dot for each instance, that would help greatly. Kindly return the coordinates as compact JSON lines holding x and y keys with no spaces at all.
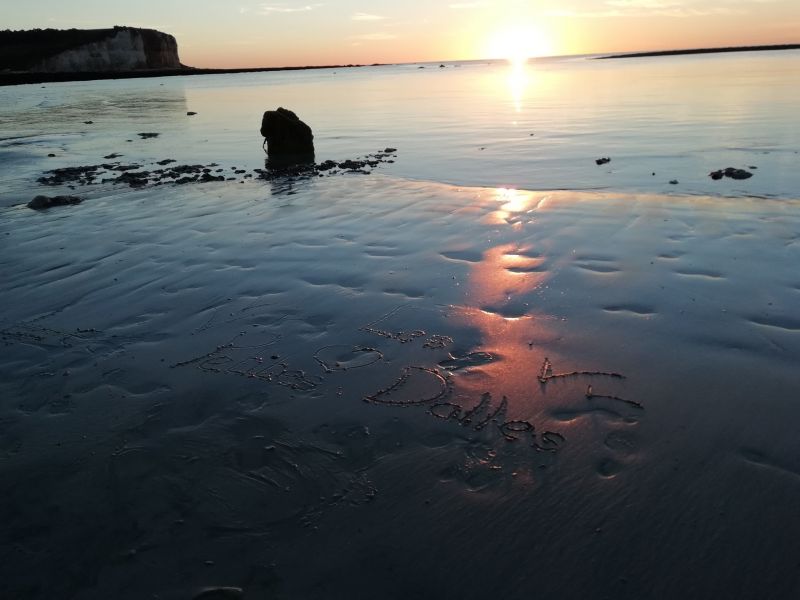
{"x":477,"y":417}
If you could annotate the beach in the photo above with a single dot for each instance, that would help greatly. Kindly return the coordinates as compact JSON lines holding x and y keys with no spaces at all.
{"x":485,"y":366}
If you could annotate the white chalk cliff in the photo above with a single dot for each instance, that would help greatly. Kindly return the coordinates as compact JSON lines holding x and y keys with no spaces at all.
{"x":124,"y":49}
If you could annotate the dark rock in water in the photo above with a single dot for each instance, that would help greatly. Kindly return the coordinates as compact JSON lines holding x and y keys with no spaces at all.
{"x":223,"y":593}
{"x":51,"y":156}
{"x":88,"y":122}
{"x":441,"y":66}
{"x":209,"y":177}
{"x":44,"y":202}
{"x":352,"y":165}
{"x":147,"y":136}
{"x":138,"y":176}
{"x":674,"y":182}
{"x":288,"y":138}
{"x":112,"y":156}
{"x":191,"y":113}
{"x":134,"y":180}
{"x":737,"y":173}
{"x":603,"y":161}
{"x":730,"y":172}
{"x":66,"y":175}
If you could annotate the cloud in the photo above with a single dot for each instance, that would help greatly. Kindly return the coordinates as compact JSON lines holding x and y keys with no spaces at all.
{"x":360,"y":16}
{"x":658,"y":4}
{"x":268,"y":9}
{"x":466,"y":5}
{"x":374,"y":37}
{"x":654,"y":8}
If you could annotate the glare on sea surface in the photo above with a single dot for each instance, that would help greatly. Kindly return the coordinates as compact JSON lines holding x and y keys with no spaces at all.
{"x":517,"y":44}
{"x":519,"y":79}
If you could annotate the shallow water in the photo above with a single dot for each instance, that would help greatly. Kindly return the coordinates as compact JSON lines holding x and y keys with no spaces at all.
{"x":467,"y":124}
{"x":389,"y":386}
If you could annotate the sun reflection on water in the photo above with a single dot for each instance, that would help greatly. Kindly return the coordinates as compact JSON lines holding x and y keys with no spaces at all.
{"x":519,"y":80}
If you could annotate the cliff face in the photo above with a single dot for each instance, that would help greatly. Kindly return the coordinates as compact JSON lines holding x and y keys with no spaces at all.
{"x":118,"y":49}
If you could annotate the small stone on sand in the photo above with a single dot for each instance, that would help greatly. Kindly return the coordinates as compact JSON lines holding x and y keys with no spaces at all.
{"x":45,"y":202}
{"x":221,"y":593}
{"x":730,"y":172}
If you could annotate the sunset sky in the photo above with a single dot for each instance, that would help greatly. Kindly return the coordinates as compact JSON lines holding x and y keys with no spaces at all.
{"x":216,"y":33}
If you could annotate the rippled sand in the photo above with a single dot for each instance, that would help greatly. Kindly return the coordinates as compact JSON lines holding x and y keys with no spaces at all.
{"x":368,"y":387}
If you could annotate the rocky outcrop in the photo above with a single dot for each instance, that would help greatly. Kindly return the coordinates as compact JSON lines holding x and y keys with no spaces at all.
{"x":86,"y":51}
{"x":731,"y":172}
{"x":287,"y":136}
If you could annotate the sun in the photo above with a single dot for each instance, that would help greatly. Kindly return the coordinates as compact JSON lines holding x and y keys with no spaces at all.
{"x":518,"y":43}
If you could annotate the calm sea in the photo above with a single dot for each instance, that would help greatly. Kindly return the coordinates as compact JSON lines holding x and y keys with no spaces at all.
{"x":473,"y":123}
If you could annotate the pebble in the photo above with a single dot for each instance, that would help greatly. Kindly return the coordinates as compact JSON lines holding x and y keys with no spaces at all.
{"x":220,"y":593}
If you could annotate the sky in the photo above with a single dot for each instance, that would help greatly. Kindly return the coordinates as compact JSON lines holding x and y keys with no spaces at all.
{"x":228,"y":34}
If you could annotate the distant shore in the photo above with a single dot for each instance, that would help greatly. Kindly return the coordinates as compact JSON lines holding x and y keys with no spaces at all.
{"x":25,"y":78}
{"x":19,"y":78}
{"x":703,"y":51}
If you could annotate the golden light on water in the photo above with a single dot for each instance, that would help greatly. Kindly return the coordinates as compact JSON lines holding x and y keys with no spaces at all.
{"x":517,"y":43}
{"x":518,"y":81}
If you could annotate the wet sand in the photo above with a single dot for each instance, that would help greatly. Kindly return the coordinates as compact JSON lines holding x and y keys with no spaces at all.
{"x":364,"y":386}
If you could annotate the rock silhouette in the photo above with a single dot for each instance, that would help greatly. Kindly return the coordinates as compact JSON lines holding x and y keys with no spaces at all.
{"x":730,"y":172}
{"x":45,"y":202}
{"x":287,"y":137}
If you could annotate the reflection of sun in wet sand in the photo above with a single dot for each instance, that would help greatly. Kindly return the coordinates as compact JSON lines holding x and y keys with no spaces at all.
{"x":500,"y":302}
{"x":497,"y":304}
{"x":516,"y":207}
{"x":507,"y":331}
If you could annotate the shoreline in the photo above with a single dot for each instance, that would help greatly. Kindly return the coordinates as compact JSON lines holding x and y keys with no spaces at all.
{"x":702,"y":51}
{"x":22,"y":78}
{"x":9,"y":79}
